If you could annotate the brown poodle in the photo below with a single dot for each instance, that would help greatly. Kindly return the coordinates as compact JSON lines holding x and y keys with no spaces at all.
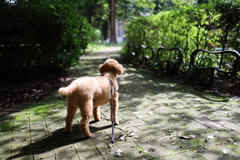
{"x":89,"y":93}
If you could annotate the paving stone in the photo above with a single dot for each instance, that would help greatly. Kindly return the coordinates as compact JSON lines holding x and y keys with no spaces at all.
{"x":110,"y":153}
{"x":82,"y":144}
{"x":160,"y":118}
{"x":91,"y":154}
{"x":134,"y":151}
{"x":171,"y":157}
{"x":189,"y":155}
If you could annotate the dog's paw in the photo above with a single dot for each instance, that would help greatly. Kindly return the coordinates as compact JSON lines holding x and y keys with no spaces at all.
{"x":90,"y":135}
{"x":69,"y":130}
{"x":116,"y":122}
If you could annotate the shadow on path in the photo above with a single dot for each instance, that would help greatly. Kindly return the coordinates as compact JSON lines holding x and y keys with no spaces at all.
{"x":57,"y":139}
{"x":155,"y":108}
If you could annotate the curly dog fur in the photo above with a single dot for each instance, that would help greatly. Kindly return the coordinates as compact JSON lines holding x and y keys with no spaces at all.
{"x":89,"y":93}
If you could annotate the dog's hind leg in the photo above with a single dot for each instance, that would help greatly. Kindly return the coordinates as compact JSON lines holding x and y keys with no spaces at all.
{"x":96,"y":113}
{"x":71,"y":111}
{"x":86,"y":112}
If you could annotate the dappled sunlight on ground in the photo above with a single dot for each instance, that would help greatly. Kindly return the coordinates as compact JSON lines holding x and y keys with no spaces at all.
{"x":159,"y":119}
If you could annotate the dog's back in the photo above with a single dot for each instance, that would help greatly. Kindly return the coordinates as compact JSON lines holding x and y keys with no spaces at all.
{"x":93,"y":86}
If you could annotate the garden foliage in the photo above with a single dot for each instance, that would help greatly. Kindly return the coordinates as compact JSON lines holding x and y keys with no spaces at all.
{"x":38,"y":38}
{"x":189,"y":28}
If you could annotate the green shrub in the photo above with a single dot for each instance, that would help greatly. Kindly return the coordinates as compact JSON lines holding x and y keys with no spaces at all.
{"x":188,"y":28}
{"x":38,"y":38}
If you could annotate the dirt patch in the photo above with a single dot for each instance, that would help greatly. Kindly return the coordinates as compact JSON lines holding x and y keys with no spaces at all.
{"x":12,"y":94}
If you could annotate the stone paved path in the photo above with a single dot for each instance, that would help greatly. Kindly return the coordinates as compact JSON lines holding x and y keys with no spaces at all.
{"x":159,"y":119}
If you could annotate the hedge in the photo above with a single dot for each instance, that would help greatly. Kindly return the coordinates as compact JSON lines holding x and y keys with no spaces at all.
{"x":38,"y":38}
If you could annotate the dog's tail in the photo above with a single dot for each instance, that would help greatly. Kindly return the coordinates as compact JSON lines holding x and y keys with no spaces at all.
{"x":67,"y":91}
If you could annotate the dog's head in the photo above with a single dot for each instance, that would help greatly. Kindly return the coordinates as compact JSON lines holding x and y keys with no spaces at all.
{"x":112,"y":66}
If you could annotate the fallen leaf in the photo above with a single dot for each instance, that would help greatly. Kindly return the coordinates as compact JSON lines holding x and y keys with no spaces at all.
{"x":192,"y":136}
{"x":230,"y":140}
{"x":211,"y":136}
{"x":131,"y":134}
{"x":118,"y":153}
{"x":224,"y":151}
{"x":185,"y":137}
{"x":182,"y":136}
{"x":122,"y":137}
{"x":235,"y":144}
{"x":142,"y":151}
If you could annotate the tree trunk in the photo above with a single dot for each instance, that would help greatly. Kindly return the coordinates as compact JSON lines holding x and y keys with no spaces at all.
{"x":112,"y":16}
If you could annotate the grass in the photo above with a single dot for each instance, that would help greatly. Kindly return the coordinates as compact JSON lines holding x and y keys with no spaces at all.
{"x":98,"y":46}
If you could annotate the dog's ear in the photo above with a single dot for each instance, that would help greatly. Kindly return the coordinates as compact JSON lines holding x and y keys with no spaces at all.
{"x":119,"y":69}
{"x":100,"y":68}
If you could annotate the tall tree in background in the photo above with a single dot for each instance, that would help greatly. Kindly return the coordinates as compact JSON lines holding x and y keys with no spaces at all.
{"x":112,"y":24}
{"x":113,"y":12}
{"x":103,"y":13}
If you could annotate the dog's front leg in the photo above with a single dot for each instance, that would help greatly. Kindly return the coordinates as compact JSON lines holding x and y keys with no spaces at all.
{"x":115,"y":109}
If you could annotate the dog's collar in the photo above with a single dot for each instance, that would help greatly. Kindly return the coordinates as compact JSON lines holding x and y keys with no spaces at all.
{"x":112,"y":87}
{"x":111,"y":74}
